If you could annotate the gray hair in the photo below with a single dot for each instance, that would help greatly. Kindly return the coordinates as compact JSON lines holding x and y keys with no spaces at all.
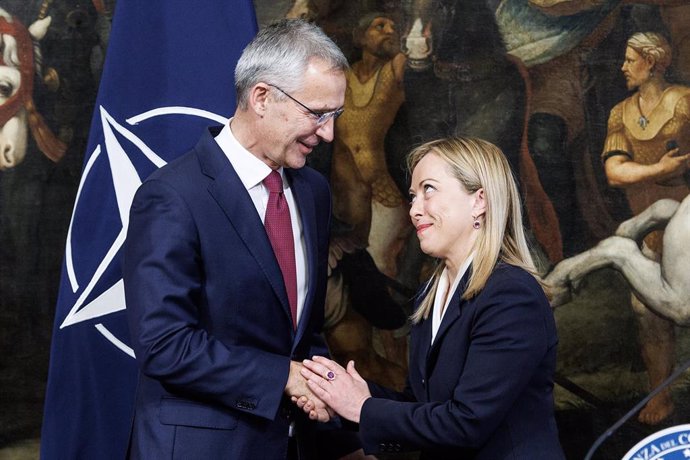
{"x":280,"y":54}
{"x":654,"y":45}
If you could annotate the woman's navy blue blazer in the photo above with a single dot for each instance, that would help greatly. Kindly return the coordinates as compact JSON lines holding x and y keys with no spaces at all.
{"x":483,"y":389}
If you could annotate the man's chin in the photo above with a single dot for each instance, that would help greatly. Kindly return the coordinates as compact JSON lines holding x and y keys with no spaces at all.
{"x":387,"y":53}
{"x":631,"y":85}
{"x":297,"y":161}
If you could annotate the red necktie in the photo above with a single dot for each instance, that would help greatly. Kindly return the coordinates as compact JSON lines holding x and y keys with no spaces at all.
{"x":279,"y":230}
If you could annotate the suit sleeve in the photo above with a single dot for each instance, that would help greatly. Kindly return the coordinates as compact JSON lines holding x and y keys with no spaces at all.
{"x":509,"y":340}
{"x":163,"y":276}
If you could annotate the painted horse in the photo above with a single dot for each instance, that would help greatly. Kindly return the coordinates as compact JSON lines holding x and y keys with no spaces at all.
{"x":18,"y":114}
{"x":460,"y":80}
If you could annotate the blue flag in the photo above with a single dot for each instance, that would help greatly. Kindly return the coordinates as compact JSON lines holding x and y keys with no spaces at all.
{"x":168,"y":74}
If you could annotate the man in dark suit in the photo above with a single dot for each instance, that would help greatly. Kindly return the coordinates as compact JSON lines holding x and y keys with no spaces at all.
{"x":220,"y":317}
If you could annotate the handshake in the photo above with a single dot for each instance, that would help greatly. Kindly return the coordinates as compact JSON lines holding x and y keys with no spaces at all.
{"x":322,"y":388}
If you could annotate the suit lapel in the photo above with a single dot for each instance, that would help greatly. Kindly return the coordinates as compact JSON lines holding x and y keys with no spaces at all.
{"x":420,"y":338}
{"x":424,"y":347}
{"x":229,"y":192}
{"x":453,"y":313}
{"x":303,"y":195}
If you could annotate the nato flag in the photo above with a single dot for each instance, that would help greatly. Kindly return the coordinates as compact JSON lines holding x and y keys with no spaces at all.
{"x":168,"y":74}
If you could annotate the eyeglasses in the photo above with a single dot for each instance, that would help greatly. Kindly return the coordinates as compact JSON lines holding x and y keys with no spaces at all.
{"x":320,"y":117}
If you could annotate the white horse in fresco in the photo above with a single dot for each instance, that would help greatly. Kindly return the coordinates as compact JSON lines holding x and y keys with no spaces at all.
{"x":13,"y":134}
{"x":18,"y":115}
{"x":663,"y":286}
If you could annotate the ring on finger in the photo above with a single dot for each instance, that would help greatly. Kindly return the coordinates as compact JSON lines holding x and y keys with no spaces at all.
{"x":330,"y":375}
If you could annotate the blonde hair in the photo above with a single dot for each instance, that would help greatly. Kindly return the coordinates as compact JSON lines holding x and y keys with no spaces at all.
{"x":652,"y":45}
{"x":478,"y":164}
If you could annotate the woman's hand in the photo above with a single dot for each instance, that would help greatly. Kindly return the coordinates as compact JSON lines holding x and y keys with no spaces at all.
{"x":343,"y":390}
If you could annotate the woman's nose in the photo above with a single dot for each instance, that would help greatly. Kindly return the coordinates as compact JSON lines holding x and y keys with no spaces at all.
{"x":415,"y":209}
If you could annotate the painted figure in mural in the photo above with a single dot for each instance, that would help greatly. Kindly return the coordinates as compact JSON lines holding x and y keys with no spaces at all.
{"x":336,"y":18}
{"x":374,"y":95}
{"x":646,"y":152}
{"x":366,"y":200}
{"x":553,"y":39}
{"x":460,"y":80}
{"x":560,"y":41}
{"x":18,"y":113}
{"x":472,"y":87}
{"x":483,"y":344}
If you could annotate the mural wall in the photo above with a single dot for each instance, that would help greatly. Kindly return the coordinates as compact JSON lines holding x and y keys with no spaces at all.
{"x":51,"y":60}
{"x":538,"y":78}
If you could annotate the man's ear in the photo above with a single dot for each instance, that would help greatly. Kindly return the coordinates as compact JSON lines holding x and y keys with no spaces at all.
{"x":479,"y":206}
{"x":258,"y":96}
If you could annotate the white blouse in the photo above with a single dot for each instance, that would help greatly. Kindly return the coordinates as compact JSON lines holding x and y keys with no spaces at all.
{"x":442,"y":292}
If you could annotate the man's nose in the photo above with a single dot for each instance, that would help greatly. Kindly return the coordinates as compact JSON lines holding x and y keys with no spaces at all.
{"x":327,"y":130}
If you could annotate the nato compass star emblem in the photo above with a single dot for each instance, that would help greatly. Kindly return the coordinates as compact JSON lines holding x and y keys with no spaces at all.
{"x":99,"y":288}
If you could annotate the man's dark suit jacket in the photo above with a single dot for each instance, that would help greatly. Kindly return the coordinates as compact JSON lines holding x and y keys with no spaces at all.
{"x":209,"y":313}
{"x":484,"y":389}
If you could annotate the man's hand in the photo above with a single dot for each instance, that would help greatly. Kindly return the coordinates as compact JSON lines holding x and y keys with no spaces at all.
{"x":298,"y":391}
{"x":674,"y":165}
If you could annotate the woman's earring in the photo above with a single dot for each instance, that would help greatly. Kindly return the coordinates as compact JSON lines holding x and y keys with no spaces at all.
{"x":477,"y":225}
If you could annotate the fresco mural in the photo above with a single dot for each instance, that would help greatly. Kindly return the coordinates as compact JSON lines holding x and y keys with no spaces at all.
{"x":538,"y":77}
{"x":51,"y":54}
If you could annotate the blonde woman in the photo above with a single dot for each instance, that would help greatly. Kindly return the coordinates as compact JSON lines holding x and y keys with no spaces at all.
{"x":483,"y":345}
